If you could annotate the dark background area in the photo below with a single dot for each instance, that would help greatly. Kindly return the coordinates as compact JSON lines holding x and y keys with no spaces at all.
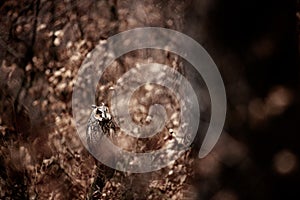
{"x":255,"y":44}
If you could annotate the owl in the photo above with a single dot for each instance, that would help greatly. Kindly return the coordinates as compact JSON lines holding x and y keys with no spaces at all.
{"x":99,"y":123}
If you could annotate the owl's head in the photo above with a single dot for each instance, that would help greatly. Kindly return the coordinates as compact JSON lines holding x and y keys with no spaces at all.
{"x":101,"y":112}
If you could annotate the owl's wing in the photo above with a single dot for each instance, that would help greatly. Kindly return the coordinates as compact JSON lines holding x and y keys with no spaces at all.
{"x":93,"y":133}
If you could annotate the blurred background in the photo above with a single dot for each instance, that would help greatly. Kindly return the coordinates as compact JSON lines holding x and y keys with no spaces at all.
{"x":255,"y":44}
